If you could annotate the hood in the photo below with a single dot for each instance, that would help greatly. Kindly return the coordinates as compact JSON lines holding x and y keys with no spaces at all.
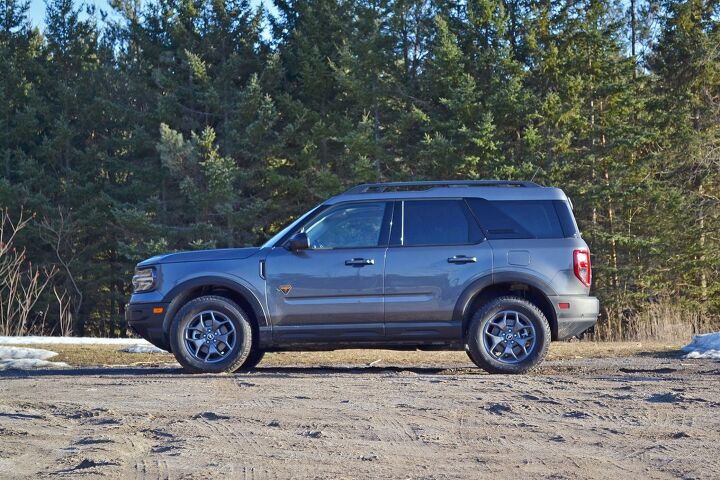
{"x":201,"y":256}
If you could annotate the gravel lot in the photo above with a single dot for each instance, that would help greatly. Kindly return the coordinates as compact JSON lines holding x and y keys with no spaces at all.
{"x":652,"y":416}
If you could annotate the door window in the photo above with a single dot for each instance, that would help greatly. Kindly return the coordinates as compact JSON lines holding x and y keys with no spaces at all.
{"x":438,"y":222}
{"x":356,"y":225}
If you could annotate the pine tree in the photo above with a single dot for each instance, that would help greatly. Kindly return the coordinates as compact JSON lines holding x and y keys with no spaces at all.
{"x":686,"y":61}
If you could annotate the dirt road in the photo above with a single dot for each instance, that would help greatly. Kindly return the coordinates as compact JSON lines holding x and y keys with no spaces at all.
{"x":639,"y":417}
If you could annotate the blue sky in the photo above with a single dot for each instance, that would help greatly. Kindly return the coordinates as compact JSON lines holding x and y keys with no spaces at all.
{"x":37,"y":11}
{"x":37,"y":8}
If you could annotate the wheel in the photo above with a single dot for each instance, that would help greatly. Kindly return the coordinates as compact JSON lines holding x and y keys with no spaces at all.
{"x":508,"y":335}
{"x":470,"y":356}
{"x":252,"y":361}
{"x":211,"y":334}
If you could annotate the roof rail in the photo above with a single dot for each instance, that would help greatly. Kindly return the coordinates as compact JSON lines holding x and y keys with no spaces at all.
{"x":426,"y":185}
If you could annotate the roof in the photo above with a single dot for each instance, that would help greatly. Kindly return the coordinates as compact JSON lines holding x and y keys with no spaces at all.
{"x":489,"y":189}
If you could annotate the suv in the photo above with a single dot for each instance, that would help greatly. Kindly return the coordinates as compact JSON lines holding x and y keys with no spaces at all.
{"x":497,"y":268}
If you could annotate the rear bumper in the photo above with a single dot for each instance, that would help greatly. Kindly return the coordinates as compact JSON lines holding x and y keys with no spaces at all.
{"x":581,"y":314}
{"x":141,"y":319}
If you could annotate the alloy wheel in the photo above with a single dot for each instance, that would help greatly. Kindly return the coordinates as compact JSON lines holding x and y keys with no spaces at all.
{"x":210,"y":336}
{"x":509,"y":337}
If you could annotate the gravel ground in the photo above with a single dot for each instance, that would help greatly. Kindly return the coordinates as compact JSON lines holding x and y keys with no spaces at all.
{"x":653,"y":416}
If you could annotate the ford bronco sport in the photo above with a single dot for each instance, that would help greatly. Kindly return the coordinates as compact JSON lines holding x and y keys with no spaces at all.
{"x":497,"y":268}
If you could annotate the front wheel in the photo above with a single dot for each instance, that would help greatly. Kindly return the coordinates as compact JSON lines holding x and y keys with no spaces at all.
{"x":211,"y":334}
{"x":508,"y":335}
{"x":252,"y":361}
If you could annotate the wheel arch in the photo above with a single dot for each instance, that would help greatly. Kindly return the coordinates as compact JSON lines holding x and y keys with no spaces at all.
{"x":214,"y":285}
{"x":496,"y":285}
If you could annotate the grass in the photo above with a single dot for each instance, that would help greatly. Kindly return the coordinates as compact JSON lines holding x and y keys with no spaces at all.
{"x":110,"y":355}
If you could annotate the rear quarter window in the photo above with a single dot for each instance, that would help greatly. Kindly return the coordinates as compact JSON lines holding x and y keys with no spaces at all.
{"x":509,"y":219}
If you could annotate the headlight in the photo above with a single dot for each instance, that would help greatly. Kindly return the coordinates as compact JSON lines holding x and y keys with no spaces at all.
{"x":144,"y":280}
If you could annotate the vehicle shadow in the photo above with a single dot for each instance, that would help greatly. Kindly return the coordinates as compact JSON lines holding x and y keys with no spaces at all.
{"x":270,"y":371}
{"x":362,"y":370}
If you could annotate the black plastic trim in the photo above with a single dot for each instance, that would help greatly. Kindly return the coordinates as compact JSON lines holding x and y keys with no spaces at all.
{"x":178,"y":295}
{"x":466,"y":298}
{"x":141,"y":319}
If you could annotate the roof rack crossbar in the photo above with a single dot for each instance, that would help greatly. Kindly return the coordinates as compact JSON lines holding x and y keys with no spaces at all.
{"x":384,"y":187}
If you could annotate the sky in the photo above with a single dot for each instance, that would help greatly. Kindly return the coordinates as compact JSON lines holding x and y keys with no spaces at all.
{"x":37,"y":11}
{"x":37,"y":8}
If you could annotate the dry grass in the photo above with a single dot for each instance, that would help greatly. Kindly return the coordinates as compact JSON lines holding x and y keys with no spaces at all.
{"x":86,"y":355}
{"x":661,"y":322}
{"x":95,"y":355}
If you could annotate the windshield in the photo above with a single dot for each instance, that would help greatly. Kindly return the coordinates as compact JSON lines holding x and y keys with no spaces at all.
{"x":275,"y":238}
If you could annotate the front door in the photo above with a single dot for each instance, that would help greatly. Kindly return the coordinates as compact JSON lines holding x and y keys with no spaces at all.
{"x":333,"y":290}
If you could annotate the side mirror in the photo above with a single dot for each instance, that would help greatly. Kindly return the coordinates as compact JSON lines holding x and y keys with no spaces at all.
{"x":299,"y":241}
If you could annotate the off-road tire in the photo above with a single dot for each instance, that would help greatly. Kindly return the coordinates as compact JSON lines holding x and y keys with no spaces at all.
{"x":234,"y":313}
{"x":482,"y":358}
{"x":469,"y":354}
{"x":252,"y":361}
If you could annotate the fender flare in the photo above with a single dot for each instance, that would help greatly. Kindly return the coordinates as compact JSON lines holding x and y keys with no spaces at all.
{"x":471,"y":291}
{"x":178,"y":295}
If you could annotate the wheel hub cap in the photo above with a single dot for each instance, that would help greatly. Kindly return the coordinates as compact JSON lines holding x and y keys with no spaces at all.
{"x":509,"y":337}
{"x":210,"y":336}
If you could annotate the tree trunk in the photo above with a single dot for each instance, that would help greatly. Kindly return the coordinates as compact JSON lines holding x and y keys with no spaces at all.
{"x":633,"y":37}
{"x":702,"y":242}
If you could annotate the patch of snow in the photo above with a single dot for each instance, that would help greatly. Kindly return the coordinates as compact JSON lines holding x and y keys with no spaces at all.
{"x":29,"y":363}
{"x":37,"y":340}
{"x":141,"y":348}
{"x":19,"y":358}
{"x":16,"y":353}
{"x":703,"y":346}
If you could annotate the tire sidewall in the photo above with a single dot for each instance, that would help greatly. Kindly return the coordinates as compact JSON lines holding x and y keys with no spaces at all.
{"x":487,"y":361}
{"x":234,"y":313}
{"x":252,"y":360}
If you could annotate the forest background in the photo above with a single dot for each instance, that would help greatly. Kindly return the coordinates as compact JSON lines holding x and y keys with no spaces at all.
{"x":187,"y":124}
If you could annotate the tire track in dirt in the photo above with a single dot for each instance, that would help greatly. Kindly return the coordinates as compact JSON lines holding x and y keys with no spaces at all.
{"x":237,"y":443}
{"x":585,"y":420}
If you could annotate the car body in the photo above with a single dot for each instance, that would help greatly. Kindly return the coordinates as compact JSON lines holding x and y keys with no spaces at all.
{"x":390,"y":265}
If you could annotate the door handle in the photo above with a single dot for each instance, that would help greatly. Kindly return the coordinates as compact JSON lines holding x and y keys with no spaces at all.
{"x":359,"y":262}
{"x":462,"y":259}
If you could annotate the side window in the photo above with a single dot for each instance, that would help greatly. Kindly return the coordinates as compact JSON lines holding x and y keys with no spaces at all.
{"x":438,"y":222}
{"x":355,"y":225}
{"x":567,"y":220}
{"x":509,"y":219}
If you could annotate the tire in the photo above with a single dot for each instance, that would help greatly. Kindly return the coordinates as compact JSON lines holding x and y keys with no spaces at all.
{"x":210,"y":321}
{"x":252,"y":361}
{"x":510,"y":350}
{"x":470,"y":356}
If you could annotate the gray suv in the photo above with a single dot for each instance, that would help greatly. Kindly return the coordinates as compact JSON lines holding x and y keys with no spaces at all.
{"x":495,"y":268}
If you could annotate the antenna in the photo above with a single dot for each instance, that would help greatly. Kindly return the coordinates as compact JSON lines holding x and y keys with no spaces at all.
{"x":535,"y":174}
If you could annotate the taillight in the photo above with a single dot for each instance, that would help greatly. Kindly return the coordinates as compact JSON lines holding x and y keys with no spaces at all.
{"x":581,"y":266}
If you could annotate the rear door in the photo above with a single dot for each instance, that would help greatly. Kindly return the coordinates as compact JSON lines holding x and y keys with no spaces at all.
{"x":332,"y":291}
{"x":436,"y":250}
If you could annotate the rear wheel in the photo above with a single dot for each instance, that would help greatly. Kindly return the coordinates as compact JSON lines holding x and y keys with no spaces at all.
{"x":211,"y":334}
{"x":508,"y":335}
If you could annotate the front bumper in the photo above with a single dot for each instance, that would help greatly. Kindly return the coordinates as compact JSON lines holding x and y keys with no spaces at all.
{"x":580,"y":315}
{"x":141,"y":319}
